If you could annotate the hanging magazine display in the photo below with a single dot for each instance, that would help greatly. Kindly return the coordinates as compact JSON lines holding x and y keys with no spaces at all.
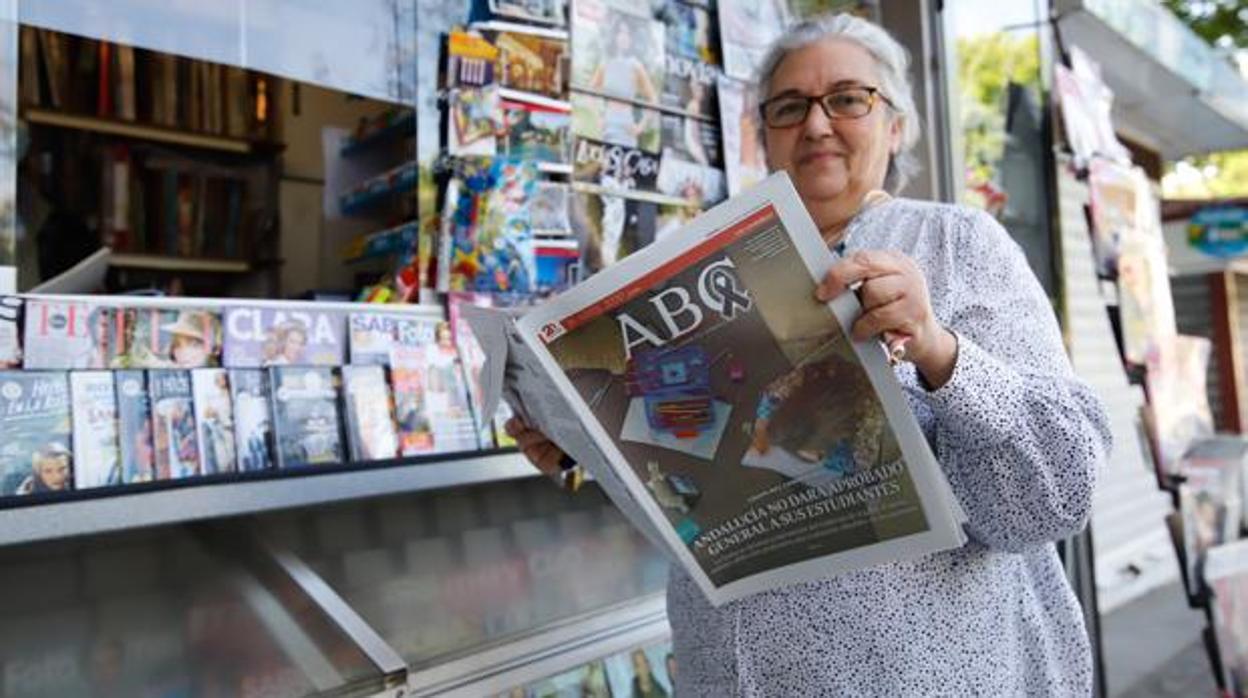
{"x":690,"y":86}
{"x":746,"y":29}
{"x":614,"y":166}
{"x":745,"y":163}
{"x":617,"y":54}
{"x":699,"y":368}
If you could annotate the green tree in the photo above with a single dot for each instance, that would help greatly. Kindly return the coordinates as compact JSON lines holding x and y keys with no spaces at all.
{"x":1224,"y":24}
{"x":987,"y":64}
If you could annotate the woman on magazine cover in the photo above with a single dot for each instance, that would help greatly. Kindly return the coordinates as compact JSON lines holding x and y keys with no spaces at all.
{"x":986,"y":375}
{"x":621,"y":74}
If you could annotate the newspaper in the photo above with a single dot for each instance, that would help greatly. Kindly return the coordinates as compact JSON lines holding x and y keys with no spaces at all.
{"x":723,"y":409}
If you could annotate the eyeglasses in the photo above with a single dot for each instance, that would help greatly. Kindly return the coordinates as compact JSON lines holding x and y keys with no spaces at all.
{"x":787,"y":111}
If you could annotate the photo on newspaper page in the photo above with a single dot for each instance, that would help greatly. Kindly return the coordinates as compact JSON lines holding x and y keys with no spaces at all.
{"x":763,"y":445}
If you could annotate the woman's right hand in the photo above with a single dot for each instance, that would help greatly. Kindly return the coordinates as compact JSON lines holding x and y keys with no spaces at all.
{"x":540,"y":451}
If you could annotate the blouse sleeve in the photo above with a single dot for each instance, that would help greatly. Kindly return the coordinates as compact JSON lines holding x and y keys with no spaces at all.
{"x":1018,"y":435}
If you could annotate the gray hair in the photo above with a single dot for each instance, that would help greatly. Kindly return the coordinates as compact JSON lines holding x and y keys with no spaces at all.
{"x":893,"y":61}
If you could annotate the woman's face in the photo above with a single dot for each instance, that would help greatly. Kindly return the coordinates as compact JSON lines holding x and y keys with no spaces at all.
{"x":833,"y":163}
{"x":53,"y":472}
{"x":292,"y":347}
{"x":189,"y":352}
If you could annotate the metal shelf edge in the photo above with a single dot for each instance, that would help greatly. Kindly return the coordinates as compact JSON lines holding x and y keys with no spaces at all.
{"x":192,"y":503}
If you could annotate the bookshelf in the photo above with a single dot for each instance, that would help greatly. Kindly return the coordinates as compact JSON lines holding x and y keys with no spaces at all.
{"x":154,"y":262}
{"x":145,"y":132}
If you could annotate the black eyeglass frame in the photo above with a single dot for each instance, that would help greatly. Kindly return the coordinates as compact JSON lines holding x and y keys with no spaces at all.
{"x":875,"y":95}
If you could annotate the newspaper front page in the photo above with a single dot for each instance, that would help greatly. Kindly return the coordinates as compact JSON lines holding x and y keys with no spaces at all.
{"x":725,"y":410}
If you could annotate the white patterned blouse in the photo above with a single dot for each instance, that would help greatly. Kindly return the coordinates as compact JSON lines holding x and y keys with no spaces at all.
{"x":1020,"y":439}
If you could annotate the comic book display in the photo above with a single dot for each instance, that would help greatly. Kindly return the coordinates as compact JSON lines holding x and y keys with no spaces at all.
{"x":648,"y":355}
{"x":93,"y":411}
{"x":256,"y":337}
{"x":35,"y":435}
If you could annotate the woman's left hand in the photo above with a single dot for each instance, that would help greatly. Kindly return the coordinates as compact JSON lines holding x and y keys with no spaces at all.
{"x":895,"y":302}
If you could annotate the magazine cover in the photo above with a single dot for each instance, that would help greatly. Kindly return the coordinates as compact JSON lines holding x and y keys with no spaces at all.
{"x":1211,"y":507}
{"x":615,"y":122}
{"x":617,"y":54}
{"x":134,"y":427}
{"x":214,"y":419}
{"x":253,"y":423}
{"x":431,"y":395}
{"x":746,"y":29}
{"x":643,"y":671}
{"x":1114,"y":189}
{"x":614,"y":166}
{"x":745,"y":162}
{"x":542,"y":11}
{"x":585,"y":681}
{"x":65,"y":336}
{"x":701,"y":366}
{"x":610,"y":228}
{"x":1227,"y":575}
{"x":1179,"y":403}
{"x":370,"y":416}
{"x":173,"y":424}
{"x":93,"y":414}
{"x":694,"y":140}
{"x":690,"y":31}
{"x":256,"y":337}
{"x":1146,"y":306}
{"x":533,"y":132}
{"x":374,"y":335}
{"x":471,"y":60}
{"x":35,"y":440}
{"x":474,"y":119}
{"x":548,"y":211}
{"x":533,"y":63}
{"x":10,"y":332}
{"x":306,"y":419}
{"x":691,"y":86}
{"x":472,"y":358}
{"x":698,"y":184}
{"x":154,"y":338}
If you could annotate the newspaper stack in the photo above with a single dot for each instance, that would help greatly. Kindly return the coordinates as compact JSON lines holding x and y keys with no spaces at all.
{"x":723,"y":409}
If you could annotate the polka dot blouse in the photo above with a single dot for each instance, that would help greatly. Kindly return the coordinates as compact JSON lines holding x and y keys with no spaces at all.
{"x":1020,"y":439}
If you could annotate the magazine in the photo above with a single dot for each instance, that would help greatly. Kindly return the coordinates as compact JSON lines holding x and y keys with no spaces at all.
{"x":745,"y":163}
{"x":472,"y":358}
{"x":643,"y":671}
{"x":692,"y":139}
{"x":471,"y":60}
{"x":65,"y":336}
{"x":370,"y":418}
{"x":543,"y":11}
{"x":1113,"y":189}
{"x":690,"y":86}
{"x":585,"y":681}
{"x":615,"y":122}
{"x":742,"y":471}
{"x":134,"y":427}
{"x":617,"y":54}
{"x":474,"y":119}
{"x":698,"y":184}
{"x":532,"y":63}
{"x":10,"y":332}
{"x":214,"y":419}
{"x":173,"y":424}
{"x":374,"y":335}
{"x":431,"y":395}
{"x":256,"y":337}
{"x":1179,"y":403}
{"x":253,"y":421}
{"x":614,"y":166}
{"x":746,"y":30}
{"x":532,"y":132}
{"x":1211,"y":508}
{"x":94,"y":417}
{"x":154,"y":338}
{"x":306,"y":419}
{"x":690,"y":31}
{"x":548,"y":211}
{"x":35,"y":451}
{"x":1226,"y":572}
{"x":610,"y":228}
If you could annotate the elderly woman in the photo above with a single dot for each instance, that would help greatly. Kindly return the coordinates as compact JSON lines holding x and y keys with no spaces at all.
{"x":1019,"y":438}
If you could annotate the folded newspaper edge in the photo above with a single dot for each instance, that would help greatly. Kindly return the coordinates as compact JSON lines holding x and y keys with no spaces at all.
{"x":521,"y":370}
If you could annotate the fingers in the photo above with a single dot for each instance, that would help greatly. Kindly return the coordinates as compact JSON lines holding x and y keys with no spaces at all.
{"x":859,"y":266}
{"x":540,"y":451}
{"x":883,"y":290}
{"x":891,"y":317}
